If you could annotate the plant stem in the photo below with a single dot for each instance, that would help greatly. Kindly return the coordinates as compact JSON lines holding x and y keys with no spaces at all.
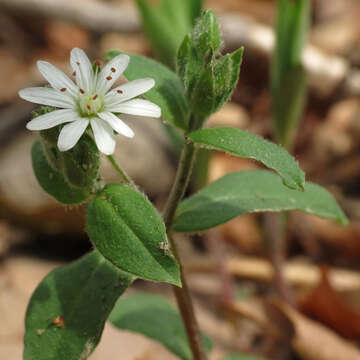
{"x":182,"y":295}
{"x":126,"y":179}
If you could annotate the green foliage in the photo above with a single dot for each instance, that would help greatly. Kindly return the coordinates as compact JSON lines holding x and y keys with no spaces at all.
{"x":51,"y":179}
{"x":166,"y":24}
{"x":128,"y":231}
{"x":244,"y":144}
{"x":288,"y":78}
{"x":251,"y":191}
{"x":154,"y":317}
{"x":80,"y":165}
{"x":67,"y":312}
{"x":168,"y":91}
{"x":209,"y":79}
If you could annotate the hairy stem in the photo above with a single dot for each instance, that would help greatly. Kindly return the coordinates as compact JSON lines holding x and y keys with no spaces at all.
{"x":125,"y":178}
{"x":182,"y":295}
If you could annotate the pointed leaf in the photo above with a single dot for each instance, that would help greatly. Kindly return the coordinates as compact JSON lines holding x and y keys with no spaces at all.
{"x":251,"y":191}
{"x":156,"y":318}
{"x":226,"y":72}
{"x":244,"y":144}
{"x":129,"y":232}
{"x":52,"y":181}
{"x":67,"y":312}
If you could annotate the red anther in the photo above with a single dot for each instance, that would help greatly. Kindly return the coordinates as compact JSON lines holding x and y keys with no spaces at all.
{"x":78,"y":63}
{"x":108,"y":78}
{"x":113,"y":69}
{"x":95,"y":97}
{"x":82,"y":91}
{"x":88,"y":107}
{"x":74,"y":73}
{"x":119,"y":91}
{"x":97,"y":62}
{"x":63,"y":89}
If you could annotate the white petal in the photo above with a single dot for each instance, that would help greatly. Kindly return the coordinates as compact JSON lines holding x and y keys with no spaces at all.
{"x":117,"y":124}
{"x":108,"y":76}
{"x":136,"y":107}
{"x":52,"y":119}
{"x":104,"y":136}
{"x":46,"y":96}
{"x":129,"y":90}
{"x":71,"y":133}
{"x":83,"y":69}
{"x":57,"y":79}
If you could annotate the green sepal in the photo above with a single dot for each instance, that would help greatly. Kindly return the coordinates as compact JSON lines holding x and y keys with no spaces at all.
{"x":52,"y":180}
{"x":80,"y":165}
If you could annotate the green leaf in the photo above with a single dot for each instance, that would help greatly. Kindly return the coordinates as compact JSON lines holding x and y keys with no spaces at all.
{"x":168,"y":91}
{"x":164,"y":27}
{"x":129,"y":232}
{"x":288,"y":80}
{"x":251,"y":191}
{"x":154,"y":317}
{"x":242,"y":357}
{"x":206,"y":34}
{"x":194,"y":8}
{"x":244,"y":144}
{"x":289,"y":105}
{"x":226,"y":73}
{"x":80,"y":296}
{"x":52,"y":181}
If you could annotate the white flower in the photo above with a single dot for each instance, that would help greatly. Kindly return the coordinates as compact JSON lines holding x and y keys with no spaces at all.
{"x":90,"y":100}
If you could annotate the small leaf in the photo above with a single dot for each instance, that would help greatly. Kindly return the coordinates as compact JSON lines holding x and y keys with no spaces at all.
{"x":52,"y":181}
{"x":202,"y":100}
{"x":251,"y":191}
{"x":206,"y":34}
{"x":244,"y":144}
{"x":67,"y":312}
{"x":129,"y":232}
{"x":154,"y":317}
{"x":226,"y":72}
{"x":168,"y":91}
{"x":242,"y":357}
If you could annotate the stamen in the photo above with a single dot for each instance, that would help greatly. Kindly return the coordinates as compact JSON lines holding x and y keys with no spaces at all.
{"x":63,"y":89}
{"x":78,"y":63}
{"x":95,"y":97}
{"x":88,"y":107}
{"x":119,"y":91}
{"x":74,"y":73}
{"x":108,"y":78}
{"x":113,"y":69}
{"x":82,"y":91}
{"x":97,"y":62}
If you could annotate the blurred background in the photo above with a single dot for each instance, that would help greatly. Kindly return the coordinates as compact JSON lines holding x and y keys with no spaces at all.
{"x":229,"y":269}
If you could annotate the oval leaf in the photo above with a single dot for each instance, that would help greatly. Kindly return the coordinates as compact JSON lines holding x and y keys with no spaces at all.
{"x":156,"y":318}
{"x":168,"y":91}
{"x":52,"y":181}
{"x":251,"y":191}
{"x":128,"y":231}
{"x":244,"y":144}
{"x":67,"y":312}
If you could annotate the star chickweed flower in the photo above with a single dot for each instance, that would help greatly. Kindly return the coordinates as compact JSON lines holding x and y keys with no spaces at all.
{"x":89,"y":100}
